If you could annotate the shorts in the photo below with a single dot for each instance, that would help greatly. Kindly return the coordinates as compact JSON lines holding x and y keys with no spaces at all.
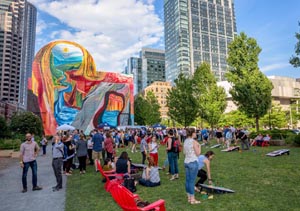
{"x":97,"y":155}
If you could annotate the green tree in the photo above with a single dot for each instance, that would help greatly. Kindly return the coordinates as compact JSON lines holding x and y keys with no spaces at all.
{"x":295,"y":59}
{"x":276,"y":117}
{"x":4,"y":132}
{"x":153,"y":113}
{"x":251,"y":89}
{"x":146,"y":109}
{"x":139,"y":110}
{"x":236,"y":118}
{"x":26,"y":122}
{"x":211,"y":99}
{"x":181,"y":102}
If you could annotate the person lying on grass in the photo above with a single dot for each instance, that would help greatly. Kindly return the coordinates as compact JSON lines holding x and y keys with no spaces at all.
{"x":150,"y":177}
{"x":202,"y":174}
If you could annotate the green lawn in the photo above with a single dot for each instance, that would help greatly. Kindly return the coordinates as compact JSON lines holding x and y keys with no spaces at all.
{"x":260,"y":182}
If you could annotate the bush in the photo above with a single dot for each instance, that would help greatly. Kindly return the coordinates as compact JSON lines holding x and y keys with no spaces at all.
{"x":275,"y":134}
{"x":295,"y":139}
{"x":10,"y":144}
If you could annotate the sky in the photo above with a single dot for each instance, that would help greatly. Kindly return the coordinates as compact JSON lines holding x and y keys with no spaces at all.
{"x":114,"y":30}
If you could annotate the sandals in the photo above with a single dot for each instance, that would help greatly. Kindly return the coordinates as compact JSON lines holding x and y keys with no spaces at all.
{"x":195,"y":202}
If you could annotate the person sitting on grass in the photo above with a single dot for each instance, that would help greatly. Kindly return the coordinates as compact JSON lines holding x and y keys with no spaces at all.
{"x":202,"y":174}
{"x":107,"y":167}
{"x":150,"y":177}
{"x":123,"y":165}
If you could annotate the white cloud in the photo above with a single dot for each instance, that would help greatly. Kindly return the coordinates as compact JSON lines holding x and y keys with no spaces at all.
{"x":40,"y":26}
{"x":275,"y":66}
{"x":111,"y":30}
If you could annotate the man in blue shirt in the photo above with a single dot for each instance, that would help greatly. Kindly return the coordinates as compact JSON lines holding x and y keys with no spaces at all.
{"x":97,"y":142}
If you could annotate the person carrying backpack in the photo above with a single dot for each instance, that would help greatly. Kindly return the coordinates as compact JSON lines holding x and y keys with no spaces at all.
{"x":172,"y":156}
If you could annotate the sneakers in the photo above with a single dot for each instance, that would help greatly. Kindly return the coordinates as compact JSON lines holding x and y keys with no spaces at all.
{"x":172,"y":178}
{"x":37,"y":188}
{"x":24,"y":190}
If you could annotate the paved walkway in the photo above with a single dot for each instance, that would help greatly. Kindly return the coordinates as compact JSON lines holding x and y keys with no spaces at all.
{"x":11,"y":197}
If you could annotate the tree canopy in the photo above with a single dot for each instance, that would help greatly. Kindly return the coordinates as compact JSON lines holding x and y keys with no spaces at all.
{"x":295,"y":59}
{"x":251,"y":89}
{"x":146,"y":109}
{"x":26,"y":122}
{"x":181,"y":101}
{"x":211,"y":98}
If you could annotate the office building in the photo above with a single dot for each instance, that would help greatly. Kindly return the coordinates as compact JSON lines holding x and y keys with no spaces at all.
{"x":134,"y":67}
{"x":160,"y":91}
{"x":147,"y":68}
{"x":197,"y":31}
{"x":17,"y":40}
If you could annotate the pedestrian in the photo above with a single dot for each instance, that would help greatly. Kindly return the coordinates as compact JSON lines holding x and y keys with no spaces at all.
{"x":90,"y":149}
{"x":143,"y":148}
{"x":70,"y":148}
{"x":153,"y":149}
{"x":57,"y":161}
{"x":109,"y":145}
{"x":97,"y":141}
{"x":28,"y":152}
{"x":81,"y":149}
{"x":172,"y":156}
{"x":44,"y":143}
{"x":192,"y":150}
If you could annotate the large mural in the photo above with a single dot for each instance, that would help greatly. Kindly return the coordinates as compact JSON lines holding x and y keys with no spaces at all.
{"x":69,"y":90}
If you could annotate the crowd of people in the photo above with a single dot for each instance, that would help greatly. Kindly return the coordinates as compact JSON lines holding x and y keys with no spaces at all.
{"x":73,"y":150}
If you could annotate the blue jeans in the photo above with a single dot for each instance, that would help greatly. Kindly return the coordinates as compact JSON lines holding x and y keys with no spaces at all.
{"x":33,"y":166}
{"x":191,"y":170}
{"x":147,"y":183}
{"x":173,"y":162}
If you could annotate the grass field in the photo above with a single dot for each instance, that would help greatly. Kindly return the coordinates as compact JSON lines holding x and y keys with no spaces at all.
{"x":260,"y":182}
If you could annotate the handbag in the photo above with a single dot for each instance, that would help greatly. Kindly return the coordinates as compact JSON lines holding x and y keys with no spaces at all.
{"x":129,"y":184}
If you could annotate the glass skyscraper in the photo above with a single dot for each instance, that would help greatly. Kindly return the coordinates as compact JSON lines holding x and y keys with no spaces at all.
{"x":197,"y":31}
{"x":146,"y":69}
{"x":17,"y":41}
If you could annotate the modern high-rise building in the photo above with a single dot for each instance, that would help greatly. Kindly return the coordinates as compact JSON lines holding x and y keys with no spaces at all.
{"x":153,"y":66}
{"x":17,"y":40}
{"x":28,"y":51}
{"x":146,"y":69}
{"x":197,"y":31}
{"x":134,"y":67}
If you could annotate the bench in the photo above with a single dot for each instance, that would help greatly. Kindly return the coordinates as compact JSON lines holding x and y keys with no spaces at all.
{"x":108,"y":174}
{"x":128,"y":201}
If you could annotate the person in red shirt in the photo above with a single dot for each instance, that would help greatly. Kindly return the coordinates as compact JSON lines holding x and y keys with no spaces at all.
{"x":109,"y":146}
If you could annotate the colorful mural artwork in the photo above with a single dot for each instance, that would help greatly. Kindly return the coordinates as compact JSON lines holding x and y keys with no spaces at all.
{"x":69,"y":90}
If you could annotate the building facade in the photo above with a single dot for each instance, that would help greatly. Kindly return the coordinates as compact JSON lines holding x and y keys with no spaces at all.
{"x":17,"y":40}
{"x":160,"y":90}
{"x":134,"y":67}
{"x":197,"y":31}
{"x":147,"y":68}
{"x":286,"y":91}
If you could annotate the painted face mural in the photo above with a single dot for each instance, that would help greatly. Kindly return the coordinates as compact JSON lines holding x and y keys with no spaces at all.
{"x":69,"y":90}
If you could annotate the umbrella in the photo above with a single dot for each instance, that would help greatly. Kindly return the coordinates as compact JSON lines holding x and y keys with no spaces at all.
{"x":65,"y":127}
{"x":158,"y":126}
{"x":105,"y":126}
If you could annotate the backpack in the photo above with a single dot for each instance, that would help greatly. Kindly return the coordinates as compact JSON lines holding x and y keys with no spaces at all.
{"x":176,"y":145}
{"x":129,"y":184}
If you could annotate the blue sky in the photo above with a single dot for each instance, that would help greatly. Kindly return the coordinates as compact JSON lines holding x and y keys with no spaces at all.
{"x":114,"y":30}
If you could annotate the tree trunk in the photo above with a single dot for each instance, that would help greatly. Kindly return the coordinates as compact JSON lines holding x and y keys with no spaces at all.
{"x":257,"y":123}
